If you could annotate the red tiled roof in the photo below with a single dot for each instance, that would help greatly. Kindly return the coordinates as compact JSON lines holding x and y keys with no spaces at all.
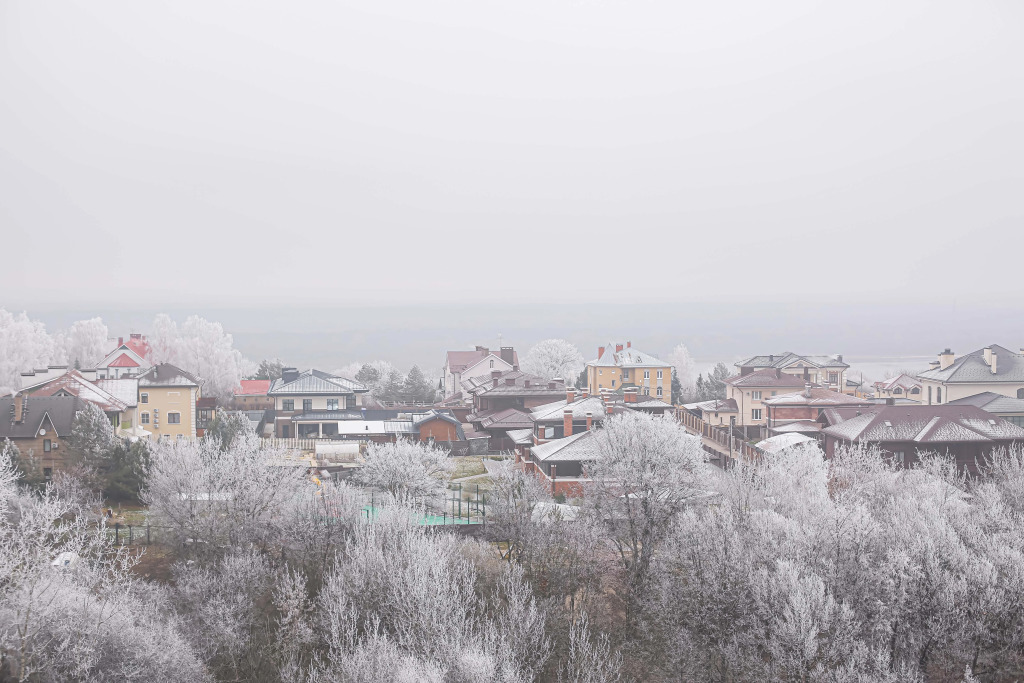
{"x":139,"y":345}
{"x":123,"y":361}
{"x":253,"y":387}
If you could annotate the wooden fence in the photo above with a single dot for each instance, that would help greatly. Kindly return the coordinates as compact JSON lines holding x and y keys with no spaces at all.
{"x":724,"y":444}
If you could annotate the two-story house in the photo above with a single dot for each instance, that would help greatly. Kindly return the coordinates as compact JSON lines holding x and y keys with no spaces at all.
{"x":460,"y":366}
{"x":620,"y":366}
{"x":746,"y":392}
{"x":39,"y":426}
{"x":901,"y":386}
{"x":306,"y":403}
{"x":167,"y":402}
{"x":824,"y":371}
{"x":992,"y":368}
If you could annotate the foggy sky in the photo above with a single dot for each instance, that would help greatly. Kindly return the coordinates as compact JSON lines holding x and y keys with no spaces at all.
{"x":532,"y":150}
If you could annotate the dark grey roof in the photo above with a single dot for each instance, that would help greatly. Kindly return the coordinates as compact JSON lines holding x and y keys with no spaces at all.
{"x":513,"y":383}
{"x":59,"y":411}
{"x":788,"y":358}
{"x":919,"y":424}
{"x":973,"y":369}
{"x":316,"y":383}
{"x":998,"y":404}
{"x":167,"y":375}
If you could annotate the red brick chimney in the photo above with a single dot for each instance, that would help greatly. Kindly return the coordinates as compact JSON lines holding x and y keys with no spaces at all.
{"x":495,"y":374}
{"x":611,"y":408}
{"x":630,"y":395}
{"x":618,"y":347}
{"x":590,"y":420}
{"x":554,"y":475}
{"x":20,"y":400}
{"x":629,"y":344}
{"x":567,"y":421}
{"x":570,"y":394}
{"x":120,"y":342}
{"x":600,"y":352}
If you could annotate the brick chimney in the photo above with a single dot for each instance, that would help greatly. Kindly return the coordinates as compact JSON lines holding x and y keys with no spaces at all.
{"x":629,"y":344}
{"x":495,"y":374}
{"x":618,"y":347}
{"x":600,"y":352}
{"x":630,"y":395}
{"x":510,"y":381}
{"x":554,"y":475}
{"x":946,"y":359}
{"x":611,"y":408}
{"x":590,"y":420}
{"x":120,"y":342}
{"x":567,"y":422}
{"x":507,"y":354}
{"x":570,"y":394}
{"x":287,"y":374}
{"x":746,"y":370}
{"x":585,"y":392}
{"x":20,"y":407}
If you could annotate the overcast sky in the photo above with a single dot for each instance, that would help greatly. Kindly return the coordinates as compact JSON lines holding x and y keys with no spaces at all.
{"x":521,"y":150}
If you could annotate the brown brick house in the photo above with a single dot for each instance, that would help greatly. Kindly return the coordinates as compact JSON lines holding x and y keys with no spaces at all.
{"x":40,"y":425}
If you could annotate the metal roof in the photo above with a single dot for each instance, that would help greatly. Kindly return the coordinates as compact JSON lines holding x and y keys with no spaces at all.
{"x":316,"y":383}
{"x":973,"y":369}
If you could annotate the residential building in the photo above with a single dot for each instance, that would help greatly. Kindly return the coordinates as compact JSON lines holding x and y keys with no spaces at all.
{"x":39,"y":426}
{"x":460,"y":366}
{"x":905,"y":432}
{"x":306,"y":404}
{"x":716,"y":412}
{"x":825,"y":371}
{"x":561,"y":462}
{"x":805,"y":406}
{"x":749,"y":389}
{"x":251,"y":394}
{"x":383,"y":426}
{"x":511,"y":389}
{"x":72,"y":383}
{"x":992,"y":368}
{"x":619,"y":366}
{"x":126,"y":390}
{"x":1010,"y":409}
{"x":129,"y":357}
{"x":900,"y":386}
{"x":167,"y":402}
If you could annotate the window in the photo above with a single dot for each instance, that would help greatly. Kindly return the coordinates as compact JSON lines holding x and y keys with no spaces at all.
{"x":833,"y":378}
{"x":915,"y":391}
{"x":929,"y":395}
{"x":46,"y":445}
{"x":145,"y":418}
{"x":938,"y":394}
{"x":307,"y":405}
{"x":613,"y":384}
{"x":647,"y":391}
{"x":48,"y":473}
{"x":899,"y":457}
{"x":1020,"y":393}
{"x":897,"y":390}
{"x":492,"y":363}
{"x":756,"y":395}
{"x":174,"y":418}
{"x":774,"y":392}
{"x":647,"y":374}
{"x":332,"y":404}
{"x":288,"y":404}
{"x":755,"y":414}
{"x":659,"y":391}
{"x":179,"y":437}
{"x":660,"y":373}
{"x":143,"y":398}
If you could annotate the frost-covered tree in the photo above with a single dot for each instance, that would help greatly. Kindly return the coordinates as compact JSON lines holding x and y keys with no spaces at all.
{"x":70,"y":606}
{"x":407,"y":470}
{"x":554,"y":358}
{"x":202,"y":348}
{"x":712,"y":387}
{"x":209,"y":498}
{"x":92,"y":435}
{"x":227,"y":427}
{"x":268,"y":369}
{"x":684,"y":373}
{"x":646,"y":470}
{"x":24,"y":345}
{"x":84,"y":344}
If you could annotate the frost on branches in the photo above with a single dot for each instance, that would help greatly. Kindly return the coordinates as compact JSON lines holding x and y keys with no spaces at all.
{"x":407,"y":470}
{"x":202,"y":348}
{"x":553,"y":358}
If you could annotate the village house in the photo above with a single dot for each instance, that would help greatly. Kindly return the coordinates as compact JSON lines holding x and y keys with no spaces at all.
{"x":129,"y":357}
{"x":619,"y":366}
{"x":251,"y":394}
{"x":825,"y":371}
{"x":803,"y":408}
{"x":460,"y":366}
{"x":716,"y":412}
{"x":512,"y":389}
{"x":168,"y":402}
{"x":73,"y":383}
{"x":748,"y":391}
{"x":40,"y":426}
{"x":306,"y":404}
{"x":1010,"y":409}
{"x":905,"y":432}
{"x":992,"y":368}
{"x":900,"y":386}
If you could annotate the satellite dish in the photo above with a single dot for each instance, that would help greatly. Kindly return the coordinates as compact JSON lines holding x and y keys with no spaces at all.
{"x":42,"y":432}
